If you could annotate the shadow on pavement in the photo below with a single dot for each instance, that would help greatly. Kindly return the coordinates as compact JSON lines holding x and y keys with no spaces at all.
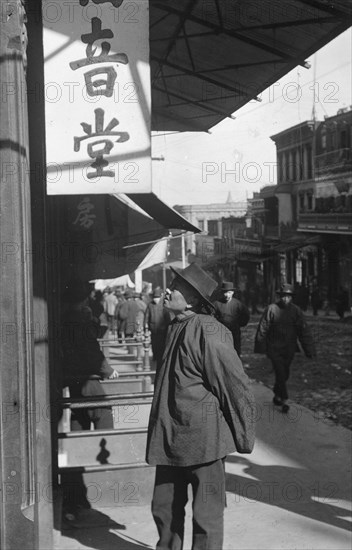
{"x":97,"y":530}
{"x":291,"y":489}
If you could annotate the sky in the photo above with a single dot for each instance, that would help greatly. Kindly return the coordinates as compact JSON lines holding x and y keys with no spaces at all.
{"x":238,"y":157}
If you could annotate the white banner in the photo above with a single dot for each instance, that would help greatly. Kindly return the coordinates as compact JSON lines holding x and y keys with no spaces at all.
{"x":157,"y":255}
{"x":97,"y":96}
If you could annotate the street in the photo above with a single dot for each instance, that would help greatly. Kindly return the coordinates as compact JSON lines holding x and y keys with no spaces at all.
{"x":323,"y":385}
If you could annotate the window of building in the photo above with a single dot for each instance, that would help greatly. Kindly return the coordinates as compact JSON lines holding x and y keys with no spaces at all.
{"x":287,"y":167}
{"x":309,"y":162}
{"x":294,"y":165}
{"x":343,"y":139}
{"x":299,"y":271}
{"x":309,"y":201}
{"x":201,"y":225}
{"x":299,"y":164}
{"x":301,"y":202}
{"x":213,"y":228}
{"x":278,"y":169}
{"x":323,"y":138}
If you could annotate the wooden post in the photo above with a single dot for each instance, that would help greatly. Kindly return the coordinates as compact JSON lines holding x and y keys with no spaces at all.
{"x":183,"y":252}
{"x":146,"y":346}
{"x":18,"y":469}
{"x":164,"y":276}
{"x":139,"y":340}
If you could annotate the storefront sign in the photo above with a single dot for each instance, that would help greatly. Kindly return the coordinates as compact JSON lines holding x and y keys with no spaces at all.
{"x":97,"y":96}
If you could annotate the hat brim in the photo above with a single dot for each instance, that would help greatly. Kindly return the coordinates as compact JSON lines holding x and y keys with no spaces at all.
{"x":178,"y":274}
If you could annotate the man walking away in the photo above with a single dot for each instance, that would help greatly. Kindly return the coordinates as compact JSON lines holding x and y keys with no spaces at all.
{"x":202,"y":410}
{"x":157,"y":319}
{"x":279,"y":328}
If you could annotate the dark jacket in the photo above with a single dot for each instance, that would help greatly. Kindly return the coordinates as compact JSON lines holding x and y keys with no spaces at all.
{"x":233,"y":315}
{"x":202,"y":408}
{"x":128,"y":314}
{"x":279,"y":329}
{"x":158,"y":319}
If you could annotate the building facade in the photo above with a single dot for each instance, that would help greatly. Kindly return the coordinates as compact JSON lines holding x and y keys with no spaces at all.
{"x":297,"y":231}
{"x":208,"y":217}
{"x":314,"y":192}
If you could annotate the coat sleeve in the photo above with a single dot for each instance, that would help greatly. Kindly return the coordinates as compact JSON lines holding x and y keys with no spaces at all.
{"x":147,"y":317}
{"x":243,"y":315}
{"x":305,"y":336}
{"x":231,"y":386}
{"x":260,"y":340}
{"x":123,"y":311}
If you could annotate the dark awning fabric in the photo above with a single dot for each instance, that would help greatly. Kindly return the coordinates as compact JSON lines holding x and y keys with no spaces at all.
{"x":208,"y":59}
{"x":94,"y":231}
{"x":161,"y":212}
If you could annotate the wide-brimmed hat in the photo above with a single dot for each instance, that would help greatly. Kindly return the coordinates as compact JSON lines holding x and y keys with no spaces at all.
{"x":226,"y":285}
{"x":285,"y":289}
{"x":157,"y":292}
{"x":198,"y":279}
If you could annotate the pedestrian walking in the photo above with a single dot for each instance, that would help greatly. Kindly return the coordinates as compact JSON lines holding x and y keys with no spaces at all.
{"x":110,"y":306}
{"x":127,"y":314}
{"x":157,"y":319}
{"x":202,"y":410}
{"x":142,"y":308}
{"x":280,"y":327}
{"x":253,"y":297}
{"x":315,"y":298}
{"x":232,"y":313}
{"x":341,"y":302}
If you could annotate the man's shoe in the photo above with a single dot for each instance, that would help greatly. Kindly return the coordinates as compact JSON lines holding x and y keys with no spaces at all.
{"x":277,"y":401}
{"x":285,"y":408}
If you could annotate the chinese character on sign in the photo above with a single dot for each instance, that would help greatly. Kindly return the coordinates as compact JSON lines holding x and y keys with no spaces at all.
{"x":108,"y":144}
{"x":115,"y":3}
{"x":101,"y":86}
{"x":84,"y":217}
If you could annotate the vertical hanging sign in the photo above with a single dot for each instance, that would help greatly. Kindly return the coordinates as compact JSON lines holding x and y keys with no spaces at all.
{"x":97,"y":96}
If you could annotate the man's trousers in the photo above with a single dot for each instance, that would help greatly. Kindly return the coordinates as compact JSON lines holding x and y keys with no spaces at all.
{"x":281,"y":364}
{"x":170,"y":498}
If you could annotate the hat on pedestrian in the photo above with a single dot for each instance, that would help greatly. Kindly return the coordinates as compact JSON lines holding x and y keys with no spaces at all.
{"x":226,"y":285}
{"x":198,"y":279}
{"x":128,"y":293}
{"x":285,"y":289}
{"x":157,"y":292}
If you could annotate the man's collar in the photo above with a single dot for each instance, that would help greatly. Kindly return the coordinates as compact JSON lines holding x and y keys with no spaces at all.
{"x":184,"y":315}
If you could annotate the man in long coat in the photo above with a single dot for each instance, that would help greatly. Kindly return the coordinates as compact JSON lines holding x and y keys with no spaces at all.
{"x":232,"y":313}
{"x":202,"y":410}
{"x":281,"y":325}
{"x":128,"y":315}
{"x":157,"y":319}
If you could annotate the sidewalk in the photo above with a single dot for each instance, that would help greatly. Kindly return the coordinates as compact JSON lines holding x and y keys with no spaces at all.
{"x":292,"y":492}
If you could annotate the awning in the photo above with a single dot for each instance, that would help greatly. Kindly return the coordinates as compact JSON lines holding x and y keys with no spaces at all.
{"x":210,"y":58}
{"x":294,"y":244}
{"x":161,"y":212}
{"x":98,"y":235}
